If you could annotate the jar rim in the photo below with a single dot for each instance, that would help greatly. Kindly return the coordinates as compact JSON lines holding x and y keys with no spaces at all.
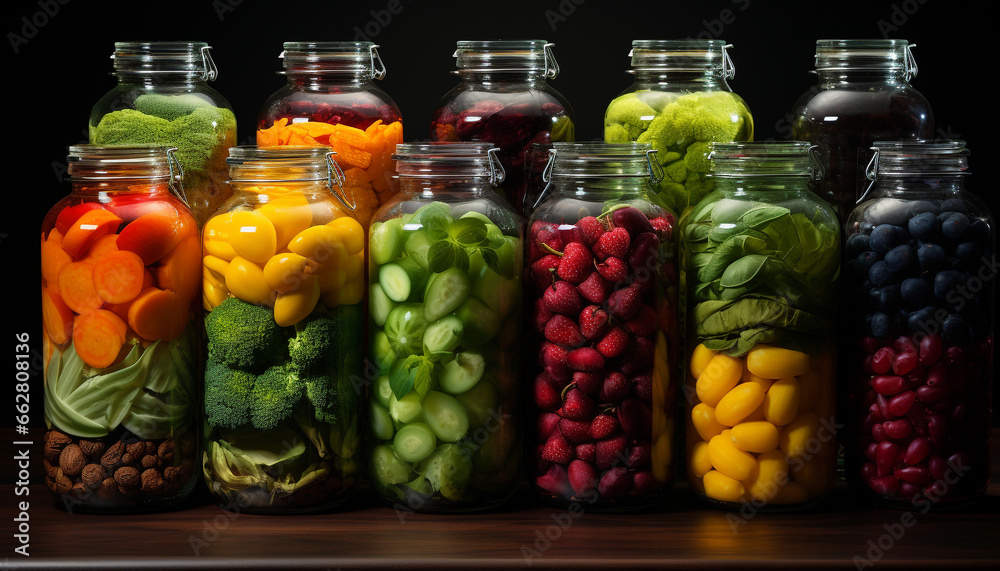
{"x":511,"y":55}
{"x":763,"y":159}
{"x":873,"y":54}
{"x":332,"y":57}
{"x":448,"y":159}
{"x":682,"y":55}
{"x":597,"y":159}
{"x":188,"y":58}
{"x":918,"y":157}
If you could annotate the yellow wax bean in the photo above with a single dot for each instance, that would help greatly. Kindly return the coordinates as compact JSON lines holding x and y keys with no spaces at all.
{"x":322,"y":244}
{"x":245,"y":280}
{"x":289,"y":213}
{"x":749,"y":377}
{"x":719,"y":377}
{"x":757,"y":414}
{"x":285,"y":271}
{"x":719,"y":486}
{"x":352,"y":235}
{"x":662,"y":456}
{"x":771,"y":476}
{"x":781,"y":403}
{"x":755,"y":436}
{"x":801,"y":436}
{"x":294,"y":306}
{"x":809,"y":385}
{"x":213,"y":293}
{"x":215,"y":236}
{"x":791,"y":493}
{"x":729,"y":459}
{"x":699,"y":360}
{"x":215,"y":264}
{"x":739,"y":403}
{"x":699,"y":463}
{"x":253,"y":236}
{"x":776,"y":362}
{"x":705,"y":423}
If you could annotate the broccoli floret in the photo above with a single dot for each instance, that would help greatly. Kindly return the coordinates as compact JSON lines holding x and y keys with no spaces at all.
{"x":227,"y":394}
{"x":130,"y":127}
{"x":630,"y":114}
{"x":696,"y":157}
{"x":275,"y":396}
{"x":313,"y":341}
{"x":327,"y":351}
{"x":170,"y":107}
{"x":200,"y":135}
{"x":243,"y":335}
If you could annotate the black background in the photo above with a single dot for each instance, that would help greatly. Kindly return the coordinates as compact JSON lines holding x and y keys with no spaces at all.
{"x":56,"y":64}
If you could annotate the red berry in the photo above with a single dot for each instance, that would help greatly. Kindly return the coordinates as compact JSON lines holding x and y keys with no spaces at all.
{"x":588,"y":381}
{"x":930,"y":349}
{"x":882,"y":360}
{"x":555,"y":481}
{"x":613,"y":270}
{"x":624,"y":303}
{"x":543,"y":270}
{"x":594,"y":322}
{"x":585,"y":451}
{"x":603,"y":426}
{"x":590,"y":230}
{"x":594,"y":289}
{"x":578,"y":406}
{"x":614,"y":244}
{"x":585,"y":359}
{"x":632,"y":220}
{"x":577,"y":263}
{"x":546,"y":396}
{"x":613,"y":343}
{"x":615,"y":483}
{"x":542,"y":315}
{"x":644,"y":483}
{"x":614,"y":389}
{"x":547,"y":422}
{"x":663,"y":226}
{"x":645,"y":248}
{"x":574,"y":430}
{"x":582,"y":477}
{"x":640,"y":455}
{"x":554,"y":362}
{"x":562,"y":297}
{"x":557,"y":449}
{"x":545,"y":241}
{"x":611,"y":451}
{"x":642,"y":387}
{"x":563,"y":331}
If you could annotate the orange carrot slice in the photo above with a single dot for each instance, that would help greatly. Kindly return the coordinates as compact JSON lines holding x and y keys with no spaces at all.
{"x":103,"y":245}
{"x":158,"y":314}
{"x":180,"y":270}
{"x":53,"y":257}
{"x":98,"y":336}
{"x":118,"y":276}
{"x":76,"y":287}
{"x":57,"y":317}
{"x":87,"y":229}
{"x":151,"y":236}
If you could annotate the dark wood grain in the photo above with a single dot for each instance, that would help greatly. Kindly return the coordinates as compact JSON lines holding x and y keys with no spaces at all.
{"x":685,"y":534}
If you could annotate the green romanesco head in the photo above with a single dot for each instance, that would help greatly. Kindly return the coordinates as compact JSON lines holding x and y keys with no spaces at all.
{"x":629,"y":113}
{"x":203,"y":138}
{"x":170,"y":107}
{"x":130,"y":127}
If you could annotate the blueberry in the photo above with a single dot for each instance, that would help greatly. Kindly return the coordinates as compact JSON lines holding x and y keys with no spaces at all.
{"x":881,"y":325}
{"x":889,"y":297}
{"x":919,"y":319}
{"x":923,"y":225}
{"x":900,"y":258}
{"x":956,"y":331}
{"x":857,"y":243}
{"x":945,"y":282}
{"x":879,"y":274}
{"x":915,"y":291}
{"x":884,"y":238}
{"x":932,"y":257}
{"x":865,"y":260}
{"x":866,"y":228}
{"x":955,"y":205}
{"x":953,"y":226}
{"x":968,"y":252}
{"x":874,"y":296}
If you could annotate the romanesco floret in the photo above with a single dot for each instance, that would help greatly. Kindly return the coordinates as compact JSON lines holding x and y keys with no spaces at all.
{"x":130,"y":127}
{"x":245,"y":336}
{"x":630,"y":114}
{"x":275,"y":396}
{"x":227,"y":395}
{"x":170,"y":107}
{"x":696,"y":157}
{"x":200,"y":135}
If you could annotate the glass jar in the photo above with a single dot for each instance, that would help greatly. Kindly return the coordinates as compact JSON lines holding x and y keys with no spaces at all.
{"x":679,"y":103}
{"x":863,"y":94}
{"x":921,"y":263}
{"x":331,"y":100}
{"x":283,"y":269}
{"x":163,"y":98}
{"x":120,"y":286}
{"x":445,"y":320}
{"x":503,"y":97}
{"x":762,"y":256}
{"x":602,"y":295}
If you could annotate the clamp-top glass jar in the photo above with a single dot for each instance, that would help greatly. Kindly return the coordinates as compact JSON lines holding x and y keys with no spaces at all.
{"x":922,"y":267}
{"x":120,"y":286}
{"x":603,"y":289}
{"x":504,"y":98}
{"x":283,"y":270}
{"x":331,"y":100}
{"x":679,"y":103}
{"x":163,"y":98}
{"x":863,"y":95}
{"x":762,"y":256}
{"x":445,"y":320}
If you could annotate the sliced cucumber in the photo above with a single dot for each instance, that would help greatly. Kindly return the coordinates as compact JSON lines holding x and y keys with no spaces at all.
{"x":404,"y":326}
{"x":481,"y":323}
{"x":445,"y":416}
{"x":481,"y":403}
{"x":418,"y":278}
{"x":407,"y":409}
{"x":387,"y":468}
{"x":414,"y":442}
{"x":383,"y":390}
{"x":463,"y":372}
{"x":443,"y":336}
{"x":448,"y":470}
{"x":416,"y":248}
{"x":387,"y":240}
{"x":445,"y":292}
{"x":379,"y":304}
{"x":383,"y":352}
{"x":381,"y":422}
{"x":395,"y":282}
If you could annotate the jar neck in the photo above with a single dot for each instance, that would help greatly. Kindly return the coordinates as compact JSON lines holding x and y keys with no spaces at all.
{"x":311,"y":81}
{"x":701,"y":80}
{"x":762,"y":186}
{"x":923,"y":185}
{"x":841,"y":77}
{"x":453,"y":188}
{"x":104,"y":190}
{"x":528,"y":78}
{"x":599,"y":188}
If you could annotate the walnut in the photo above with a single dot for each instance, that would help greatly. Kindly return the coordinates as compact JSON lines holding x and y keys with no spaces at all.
{"x":72,"y":460}
{"x":80,"y":490}
{"x":152,"y":482}
{"x":127,"y":477}
{"x":92,"y":448}
{"x":128,"y":459}
{"x":150,"y":448}
{"x":55,"y":441}
{"x":108,"y":489}
{"x":150,"y":461}
{"x":166,"y":452}
{"x":113,"y":457}
{"x":51,"y":470}
{"x":136,"y":450}
{"x":93,"y":475}
{"x":61,"y":484}
{"x":172,"y":474}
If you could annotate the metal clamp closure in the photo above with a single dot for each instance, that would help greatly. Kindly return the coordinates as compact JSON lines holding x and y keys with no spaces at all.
{"x":176,"y":182}
{"x":211,"y":71}
{"x":728,"y":68}
{"x":378,"y":67}
{"x":655,"y":170}
{"x":871,"y":172}
{"x":497,"y":173}
{"x":335,"y":178}
{"x":551,"y":65}
{"x":910,"y":66}
{"x":816,"y":163}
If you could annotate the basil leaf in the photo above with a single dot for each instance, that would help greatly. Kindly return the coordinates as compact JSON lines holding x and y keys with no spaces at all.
{"x":750,"y":269}
{"x":761,"y":216}
{"x":468,"y":232}
{"x":441,"y":255}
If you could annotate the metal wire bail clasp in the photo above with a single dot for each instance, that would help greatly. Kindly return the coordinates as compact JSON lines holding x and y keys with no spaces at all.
{"x":816,"y":163}
{"x":655,"y":170}
{"x":335,"y":178}
{"x":497,"y":173}
{"x":551,"y":65}
{"x":910,"y":66}
{"x":378,"y":67}
{"x":211,"y":71}
{"x":176,"y":183}
{"x":728,"y":67}
{"x":871,"y":172}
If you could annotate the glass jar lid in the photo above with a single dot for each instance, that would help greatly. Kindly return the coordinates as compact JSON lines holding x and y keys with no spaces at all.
{"x":357,"y":58}
{"x":764,"y":159}
{"x":288,"y":164}
{"x":866,"y":54}
{"x":192,"y":59}
{"x":594,"y":159}
{"x":682,"y":55}
{"x":447,"y":159}
{"x":918,"y":158}
{"x":148,"y":164}
{"x":506,"y":55}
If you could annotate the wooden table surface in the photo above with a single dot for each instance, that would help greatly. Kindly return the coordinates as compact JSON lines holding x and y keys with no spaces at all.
{"x":685,"y":534}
